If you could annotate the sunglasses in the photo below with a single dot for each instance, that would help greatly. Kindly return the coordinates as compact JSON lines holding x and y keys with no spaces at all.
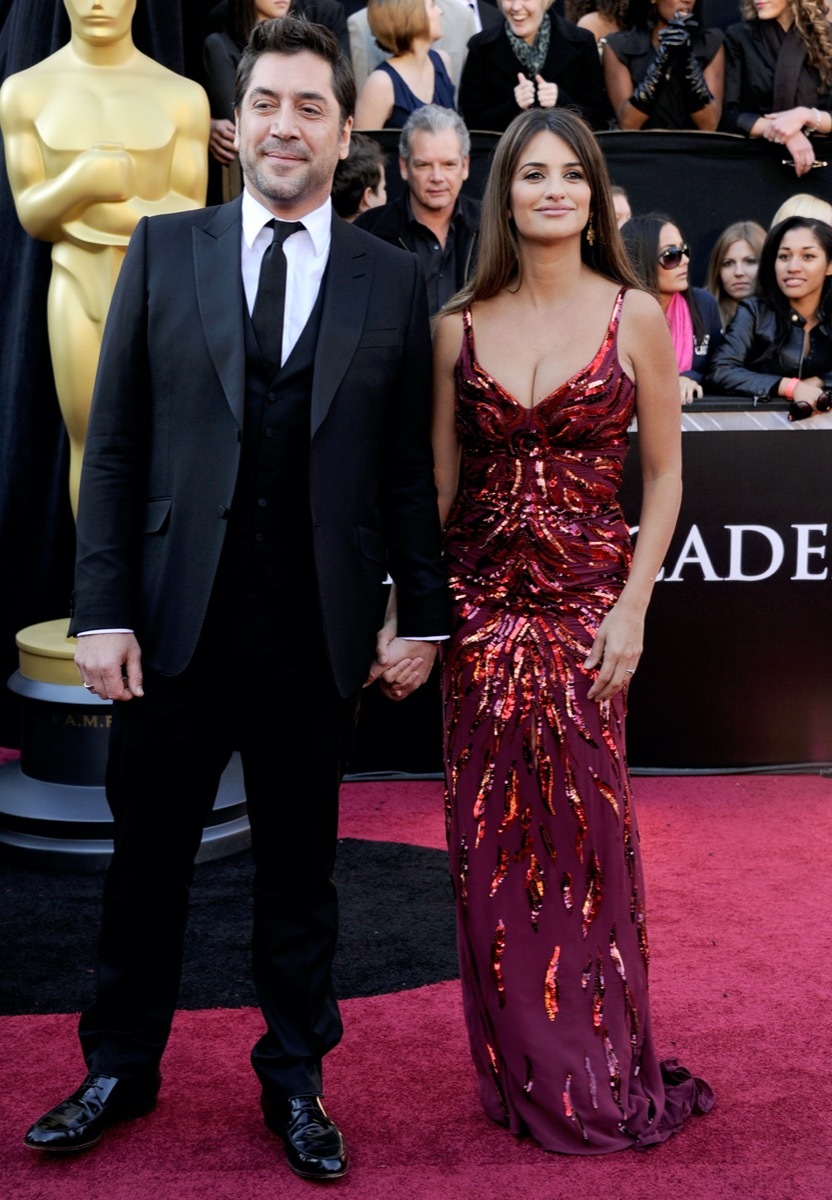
{"x":799,"y":410}
{"x":672,"y":256}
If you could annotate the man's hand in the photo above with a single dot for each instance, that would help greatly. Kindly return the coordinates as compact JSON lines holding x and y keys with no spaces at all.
{"x":401,"y":665}
{"x":110,"y":664}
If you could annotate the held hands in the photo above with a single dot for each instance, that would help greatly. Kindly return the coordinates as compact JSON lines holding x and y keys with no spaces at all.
{"x":221,"y":141}
{"x":529,"y":92}
{"x":615,"y":652}
{"x":401,"y":665}
{"x":110,"y":665}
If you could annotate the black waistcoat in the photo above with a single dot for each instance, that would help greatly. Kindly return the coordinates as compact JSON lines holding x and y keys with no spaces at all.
{"x":266,"y":581}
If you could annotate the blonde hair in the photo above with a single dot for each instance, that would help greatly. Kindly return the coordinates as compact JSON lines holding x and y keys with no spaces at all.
{"x":812,"y":24}
{"x":803,"y":205}
{"x":396,"y":24}
{"x":740,"y":231}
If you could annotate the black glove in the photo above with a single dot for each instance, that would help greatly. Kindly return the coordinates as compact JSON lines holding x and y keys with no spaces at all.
{"x":676,"y":34}
{"x":697,"y":93}
{"x":644,"y":93}
{"x":674,"y":44}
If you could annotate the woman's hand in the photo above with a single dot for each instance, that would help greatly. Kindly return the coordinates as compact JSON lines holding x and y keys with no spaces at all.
{"x":615,"y":651}
{"x":524,"y":92}
{"x":786,"y":129}
{"x":783,"y":125}
{"x":807,"y":392}
{"x":401,"y":665}
{"x":547,"y":93}
{"x":221,"y":141}
{"x":802,"y":152}
{"x":689,"y":389}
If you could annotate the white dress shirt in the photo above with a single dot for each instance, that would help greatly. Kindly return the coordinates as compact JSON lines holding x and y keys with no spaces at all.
{"x":307,"y":253}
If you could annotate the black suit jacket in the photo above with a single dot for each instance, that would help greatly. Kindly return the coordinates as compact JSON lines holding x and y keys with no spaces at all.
{"x":489,"y":77}
{"x":749,"y":79}
{"x":163,"y":446}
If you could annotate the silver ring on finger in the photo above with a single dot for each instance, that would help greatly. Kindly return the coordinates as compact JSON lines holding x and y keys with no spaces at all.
{"x":630,"y":671}
{"x":90,"y":687}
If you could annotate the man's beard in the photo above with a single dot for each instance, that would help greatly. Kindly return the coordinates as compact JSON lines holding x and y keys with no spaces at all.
{"x":278,"y":188}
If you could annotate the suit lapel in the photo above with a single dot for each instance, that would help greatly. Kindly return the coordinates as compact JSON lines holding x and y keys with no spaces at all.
{"x":219,"y":290}
{"x":348,"y":279}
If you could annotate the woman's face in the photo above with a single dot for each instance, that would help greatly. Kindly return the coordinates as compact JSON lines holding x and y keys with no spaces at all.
{"x":434,"y":19}
{"x":775,"y":10}
{"x":524,"y":17}
{"x":738,"y":270}
{"x":267,"y":10}
{"x":672,"y":279}
{"x":801,"y":268}
{"x":621,"y":207}
{"x":550,"y":196}
{"x":666,"y":10}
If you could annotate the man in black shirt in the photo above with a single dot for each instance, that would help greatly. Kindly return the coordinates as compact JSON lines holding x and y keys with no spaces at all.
{"x":432,"y":218}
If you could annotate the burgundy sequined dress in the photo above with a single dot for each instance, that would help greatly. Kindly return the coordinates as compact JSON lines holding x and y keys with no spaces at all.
{"x":542,"y":835}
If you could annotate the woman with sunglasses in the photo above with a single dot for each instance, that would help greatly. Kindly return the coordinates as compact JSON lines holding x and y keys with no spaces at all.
{"x":778,"y":76}
{"x":661,"y":259}
{"x":666,"y":72}
{"x":779,"y":343}
{"x":733,"y":266}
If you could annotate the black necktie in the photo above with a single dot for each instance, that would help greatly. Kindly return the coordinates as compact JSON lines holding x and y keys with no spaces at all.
{"x":267,"y":316}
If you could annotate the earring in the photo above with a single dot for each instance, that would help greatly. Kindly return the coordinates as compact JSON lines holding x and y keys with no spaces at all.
{"x":590,"y":231}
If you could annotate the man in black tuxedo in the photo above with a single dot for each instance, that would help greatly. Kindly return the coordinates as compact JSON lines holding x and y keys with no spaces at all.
{"x":253,"y":470}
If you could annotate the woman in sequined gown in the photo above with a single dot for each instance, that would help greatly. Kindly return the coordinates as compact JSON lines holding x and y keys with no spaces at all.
{"x":540,"y":364}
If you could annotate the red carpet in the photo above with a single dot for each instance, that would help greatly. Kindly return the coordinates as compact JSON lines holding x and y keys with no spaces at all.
{"x":740,"y":890}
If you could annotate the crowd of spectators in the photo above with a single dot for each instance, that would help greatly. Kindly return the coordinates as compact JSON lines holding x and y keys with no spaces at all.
{"x":624,"y":64}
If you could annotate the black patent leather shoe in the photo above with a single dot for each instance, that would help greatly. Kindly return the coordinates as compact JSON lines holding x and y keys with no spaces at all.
{"x":81,"y":1119}
{"x":314,"y":1146}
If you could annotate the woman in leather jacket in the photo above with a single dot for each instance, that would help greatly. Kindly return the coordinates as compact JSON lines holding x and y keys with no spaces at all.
{"x":779,"y":343}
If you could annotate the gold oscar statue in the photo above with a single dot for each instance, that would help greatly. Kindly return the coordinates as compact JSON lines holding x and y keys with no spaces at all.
{"x":97,"y":136}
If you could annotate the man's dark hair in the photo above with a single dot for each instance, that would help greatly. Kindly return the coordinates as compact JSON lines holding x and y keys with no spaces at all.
{"x":293,"y":35}
{"x":361,"y":169}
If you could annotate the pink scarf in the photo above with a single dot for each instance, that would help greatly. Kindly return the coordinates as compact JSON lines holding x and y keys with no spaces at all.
{"x":681,"y":330}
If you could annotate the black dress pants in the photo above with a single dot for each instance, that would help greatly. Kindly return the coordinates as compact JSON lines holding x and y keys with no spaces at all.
{"x":276,"y":704}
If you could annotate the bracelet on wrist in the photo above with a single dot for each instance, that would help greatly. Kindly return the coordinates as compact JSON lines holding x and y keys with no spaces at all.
{"x":788,"y":391}
{"x":815,"y":126}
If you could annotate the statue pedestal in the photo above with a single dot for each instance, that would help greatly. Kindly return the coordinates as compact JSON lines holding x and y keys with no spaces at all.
{"x":52,"y":803}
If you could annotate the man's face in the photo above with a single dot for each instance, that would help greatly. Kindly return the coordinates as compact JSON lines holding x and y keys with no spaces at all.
{"x":289,"y":132}
{"x":435,"y":170}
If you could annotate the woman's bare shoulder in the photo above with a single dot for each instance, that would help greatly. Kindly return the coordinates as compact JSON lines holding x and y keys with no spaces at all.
{"x":640,"y":307}
{"x":447,"y":335}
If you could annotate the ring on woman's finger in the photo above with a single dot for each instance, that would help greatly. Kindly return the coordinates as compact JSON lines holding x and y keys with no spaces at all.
{"x":630,"y":671}
{"x":90,"y":687}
